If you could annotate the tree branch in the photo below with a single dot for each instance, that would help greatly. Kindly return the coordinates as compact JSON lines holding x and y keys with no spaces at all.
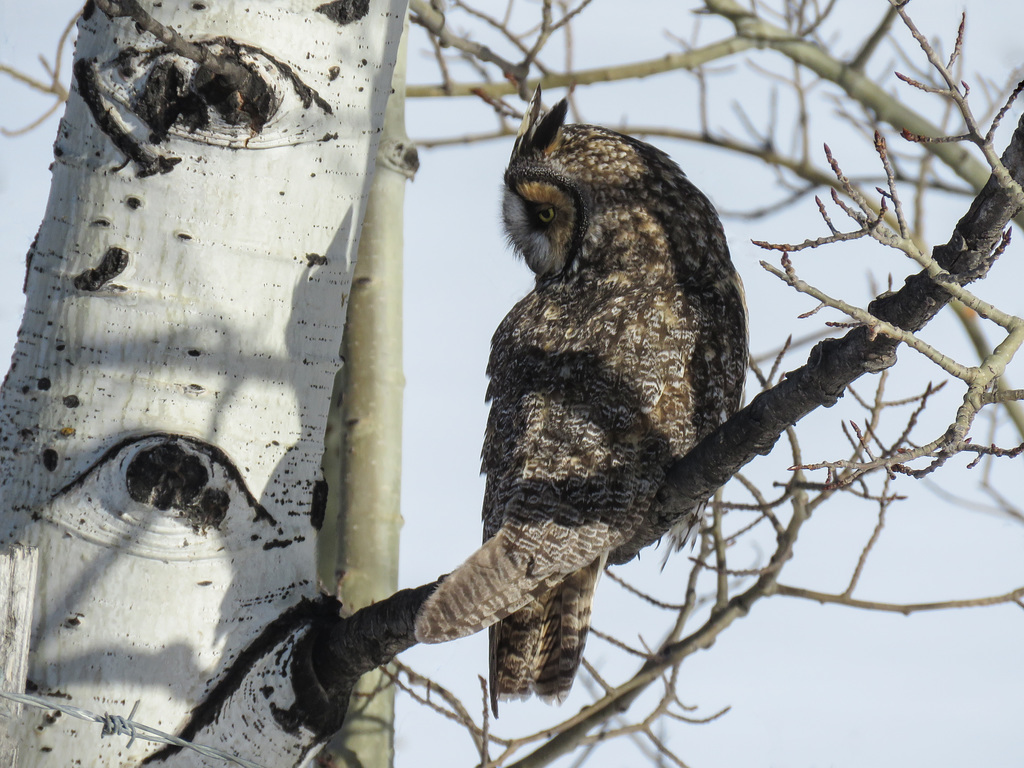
{"x":433,"y":21}
{"x":343,"y":650}
{"x":853,"y":81}
{"x":237,"y":75}
{"x":835,"y":363}
{"x":667,"y":63}
{"x":905,"y":608}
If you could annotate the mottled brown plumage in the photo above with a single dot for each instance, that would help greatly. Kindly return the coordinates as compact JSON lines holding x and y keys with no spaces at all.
{"x":631,"y":347}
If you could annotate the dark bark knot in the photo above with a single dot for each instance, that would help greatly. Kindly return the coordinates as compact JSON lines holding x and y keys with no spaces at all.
{"x":318,"y":510}
{"x":344,"y":11}
{"x":166,"y":477}
{"x":50,"y":459}
{"x":96,"y":95}
{"x":196,"y":89}
{"x":178,"y":92}
{"x":114,"y":262}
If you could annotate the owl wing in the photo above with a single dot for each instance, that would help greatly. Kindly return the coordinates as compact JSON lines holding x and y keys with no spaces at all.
{"x":557,"y":502}
{"x":571,"y":458}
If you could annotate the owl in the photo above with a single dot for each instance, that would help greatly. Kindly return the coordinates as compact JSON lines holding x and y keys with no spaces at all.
{"x":631,"y":347}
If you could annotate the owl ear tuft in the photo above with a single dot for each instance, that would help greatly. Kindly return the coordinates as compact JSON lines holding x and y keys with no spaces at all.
{"x":546,"y":135}
{"x":539,"y":134}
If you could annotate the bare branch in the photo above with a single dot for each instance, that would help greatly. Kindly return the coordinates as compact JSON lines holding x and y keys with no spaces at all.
{"x":54,"y":87}
{"x":905,"y":608}
{"x":231,"y":70}
{"x":433,"y":21}
{"x":875,"y":534}
{"x":667,"y":63}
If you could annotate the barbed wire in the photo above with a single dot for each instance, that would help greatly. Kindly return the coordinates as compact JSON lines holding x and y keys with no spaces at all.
{"x":116,"y":725}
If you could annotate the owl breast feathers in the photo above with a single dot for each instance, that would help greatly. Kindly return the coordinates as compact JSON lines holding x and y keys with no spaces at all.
{"x":630,"y":349}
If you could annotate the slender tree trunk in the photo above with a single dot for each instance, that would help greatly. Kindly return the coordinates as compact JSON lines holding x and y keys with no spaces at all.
{"x":371,"y":386}
{"x":161,"y":424}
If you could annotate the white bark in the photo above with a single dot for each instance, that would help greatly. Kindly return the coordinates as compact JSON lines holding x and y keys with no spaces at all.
{"x":371,"y":457}
{"x":18,"y":570}
{"x":161,"y":425}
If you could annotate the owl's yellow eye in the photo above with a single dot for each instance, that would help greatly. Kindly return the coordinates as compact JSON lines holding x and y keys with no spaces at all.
{"x":546,"y":215}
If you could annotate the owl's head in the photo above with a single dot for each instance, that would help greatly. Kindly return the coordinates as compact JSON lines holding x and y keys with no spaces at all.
{"x":584,"y":197}
{"x":543,"y":210}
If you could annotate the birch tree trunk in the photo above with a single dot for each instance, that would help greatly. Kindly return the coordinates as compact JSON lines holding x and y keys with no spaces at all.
{"x":161,"y":424}
{"x":370,"y":455}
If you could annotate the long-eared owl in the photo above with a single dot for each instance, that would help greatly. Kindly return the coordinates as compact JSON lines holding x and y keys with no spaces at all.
{"x":631,"y":347}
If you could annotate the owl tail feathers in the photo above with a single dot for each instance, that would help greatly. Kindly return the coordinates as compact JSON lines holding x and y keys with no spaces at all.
{"x":539,"y":648}
{"x":493,"y":583}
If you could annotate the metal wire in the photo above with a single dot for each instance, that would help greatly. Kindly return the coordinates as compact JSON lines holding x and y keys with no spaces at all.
{"x":116,"y":725}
